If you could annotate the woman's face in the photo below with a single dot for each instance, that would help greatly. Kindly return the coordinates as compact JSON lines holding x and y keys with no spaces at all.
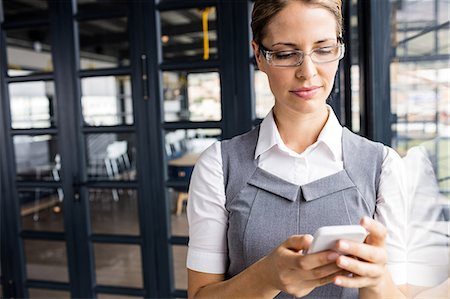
{"x":303,"y":88}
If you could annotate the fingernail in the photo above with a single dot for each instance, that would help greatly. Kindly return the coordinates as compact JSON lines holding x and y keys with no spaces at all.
{"x":344,"y":245}
{"x":333,"y":256}
{"x":338,"y":281}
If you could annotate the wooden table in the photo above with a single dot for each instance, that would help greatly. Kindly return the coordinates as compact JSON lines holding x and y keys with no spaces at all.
{"x":181,"y":169}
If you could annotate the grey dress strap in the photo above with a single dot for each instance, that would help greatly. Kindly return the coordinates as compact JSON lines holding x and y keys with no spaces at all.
{"x":238,"y":161}
{"x":363,"y":159}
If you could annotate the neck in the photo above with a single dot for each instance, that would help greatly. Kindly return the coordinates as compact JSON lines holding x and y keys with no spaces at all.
{"x":300,"y":130}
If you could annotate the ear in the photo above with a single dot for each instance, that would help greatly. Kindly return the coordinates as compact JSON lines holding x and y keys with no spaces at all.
{"x":258,"y":56}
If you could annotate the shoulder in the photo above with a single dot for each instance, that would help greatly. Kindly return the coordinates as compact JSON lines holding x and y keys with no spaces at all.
{"x":207,"y":176}
{"x":210,"y":156}
{"x":391,"y":159}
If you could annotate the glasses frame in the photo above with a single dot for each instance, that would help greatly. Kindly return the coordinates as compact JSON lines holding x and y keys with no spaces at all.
{"x":268,"y":54}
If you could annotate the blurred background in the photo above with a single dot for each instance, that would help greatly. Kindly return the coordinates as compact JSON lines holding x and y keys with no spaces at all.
{"x":106,"y":105}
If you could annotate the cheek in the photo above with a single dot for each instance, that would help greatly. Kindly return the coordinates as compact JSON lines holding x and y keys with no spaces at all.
{"x":327,"y":78}
{"x":328,"y":73}
{"x":278,"y":80}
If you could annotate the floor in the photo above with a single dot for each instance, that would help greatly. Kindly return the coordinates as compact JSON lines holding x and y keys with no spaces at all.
{"x":115,"y":264}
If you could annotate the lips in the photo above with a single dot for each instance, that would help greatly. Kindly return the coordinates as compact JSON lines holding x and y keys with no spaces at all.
{"x":306,"y":92}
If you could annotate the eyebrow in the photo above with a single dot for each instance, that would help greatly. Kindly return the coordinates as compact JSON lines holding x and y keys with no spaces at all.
{"x":295,"y":45}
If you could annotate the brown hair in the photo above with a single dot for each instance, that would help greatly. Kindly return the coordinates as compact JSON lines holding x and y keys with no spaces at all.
{"x":265,"y":10}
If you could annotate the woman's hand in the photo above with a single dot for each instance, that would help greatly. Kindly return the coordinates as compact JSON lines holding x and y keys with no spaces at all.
{"x":366,"y":261}
{"x":289,"y":270}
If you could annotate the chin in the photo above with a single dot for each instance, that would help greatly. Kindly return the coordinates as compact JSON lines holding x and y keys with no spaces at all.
{"x":312,"y":104}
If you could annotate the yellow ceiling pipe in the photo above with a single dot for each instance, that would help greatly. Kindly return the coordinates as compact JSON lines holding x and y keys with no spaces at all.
{"x":205,"y":13}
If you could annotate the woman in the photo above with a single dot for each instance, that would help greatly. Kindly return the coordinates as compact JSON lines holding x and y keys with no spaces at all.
{"x":256,"y":199}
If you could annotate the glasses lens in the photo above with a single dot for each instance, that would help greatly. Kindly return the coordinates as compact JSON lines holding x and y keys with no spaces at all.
{"x":326,"y":54}
{"x":286,"y":58}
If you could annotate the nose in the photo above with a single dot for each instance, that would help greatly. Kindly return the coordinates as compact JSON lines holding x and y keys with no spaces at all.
{"x":307,"y":69}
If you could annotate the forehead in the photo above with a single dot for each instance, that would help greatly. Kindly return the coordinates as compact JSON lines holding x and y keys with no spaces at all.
{"x":300,"y":23}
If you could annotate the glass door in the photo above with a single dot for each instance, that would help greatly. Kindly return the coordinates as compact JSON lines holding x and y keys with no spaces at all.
{"x":33,"y":200}
{"x":83,"y":220}
{"x":187,"y":67}
{"x":200,"y":54}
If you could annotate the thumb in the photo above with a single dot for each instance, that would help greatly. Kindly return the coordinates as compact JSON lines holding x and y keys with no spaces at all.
{"x":377,"y":231}
{"x":298,"y":242}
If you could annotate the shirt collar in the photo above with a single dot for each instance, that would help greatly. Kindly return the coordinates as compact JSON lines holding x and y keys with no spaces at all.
{"x":330,"y":136}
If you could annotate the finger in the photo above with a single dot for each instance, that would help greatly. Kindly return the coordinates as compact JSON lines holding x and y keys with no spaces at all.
{"x":362,"y":251}
{"x":298,"y":242}
{"x":377,"y":231}
{"x":352,"y":281}
{"x":315,"y":260}
{"x":327,"y":279}
{"x":360,"y":268}
{"x":319,"y":272}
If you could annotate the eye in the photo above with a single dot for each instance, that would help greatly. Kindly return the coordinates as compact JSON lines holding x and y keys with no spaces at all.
{"x":283,"y":55}
{"x":325,"y":50}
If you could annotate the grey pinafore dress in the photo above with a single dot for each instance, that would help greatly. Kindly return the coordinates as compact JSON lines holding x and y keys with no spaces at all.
{"x":264,"y":210}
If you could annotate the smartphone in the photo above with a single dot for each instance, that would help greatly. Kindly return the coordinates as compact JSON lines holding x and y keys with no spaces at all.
{"x":325,"y":237}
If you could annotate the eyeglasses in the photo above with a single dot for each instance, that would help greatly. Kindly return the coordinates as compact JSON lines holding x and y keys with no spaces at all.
{"x":291,"y":58}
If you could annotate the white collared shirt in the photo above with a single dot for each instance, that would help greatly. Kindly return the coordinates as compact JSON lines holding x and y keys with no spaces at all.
{"x":208,"y":217}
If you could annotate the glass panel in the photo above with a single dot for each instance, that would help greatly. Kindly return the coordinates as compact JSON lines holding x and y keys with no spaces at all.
{"x":86,"y":6}
{"x":118,"y":265}
{"x":354,"y":70}
{"x":421,"y":107}
{"x":42,"y":209}
{"x":46,"y":260}
{"x":46,"y":294}
{"x":104,"y":43}
{"x":114,"y":211}
{"x":29,"y":51}
{"x":444,"y":41}
{"x":356,"y":120}
{"x":183,"y":147}
{"x":110,"y":296}
{"x":107,"y":101}
{"x":33,"y":104}
{"x":177,"y":203}
{"x":37,"y":157}
{"x":24,"y":9}
{"x":111,"y":156}
{"x":191,"y":96}
{"x":179,"y":263}
{"x":185,"y":36}
{"x":420,"y":97}
{"x":420,"y":100}
{"x":263,"y":95}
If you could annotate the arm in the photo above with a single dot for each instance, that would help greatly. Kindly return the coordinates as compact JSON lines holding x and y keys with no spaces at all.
{"x":440,"y":291}
{"x":286,"y":269}
{"x":247,"y":284}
